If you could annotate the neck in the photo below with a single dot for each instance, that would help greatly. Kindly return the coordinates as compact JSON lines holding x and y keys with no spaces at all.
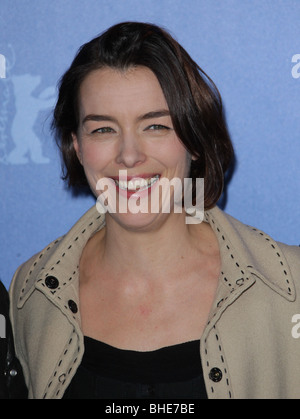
{"x":143,"y":250}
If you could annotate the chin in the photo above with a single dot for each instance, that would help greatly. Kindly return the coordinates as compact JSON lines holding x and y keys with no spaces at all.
{"x":138,"y":222}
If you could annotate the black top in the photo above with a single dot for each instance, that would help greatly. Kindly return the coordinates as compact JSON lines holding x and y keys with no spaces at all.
{"x":106,"y":372}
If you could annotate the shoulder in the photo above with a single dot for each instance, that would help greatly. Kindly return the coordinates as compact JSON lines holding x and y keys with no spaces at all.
{"x":275,"y":263}
{"x":26,"y":274}
{"x":59,"y":257}
{"x":254,"y":239}
{"x":258,"y":241}
{"x":12,"y":383}
{"x":292,"y":254}
{"x":40,"y":295}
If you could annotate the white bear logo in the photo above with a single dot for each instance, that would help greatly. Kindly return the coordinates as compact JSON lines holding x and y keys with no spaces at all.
{"x":27,"y":145}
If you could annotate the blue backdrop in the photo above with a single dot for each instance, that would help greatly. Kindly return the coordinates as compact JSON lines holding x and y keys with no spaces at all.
{"x":250,"y":48}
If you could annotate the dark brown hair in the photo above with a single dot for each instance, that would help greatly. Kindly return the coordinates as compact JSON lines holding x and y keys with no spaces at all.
{"x":194,"y":102}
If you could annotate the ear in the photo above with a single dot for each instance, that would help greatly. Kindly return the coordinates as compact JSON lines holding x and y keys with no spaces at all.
{"x":77,"y":147}
{"x":192,"y":157}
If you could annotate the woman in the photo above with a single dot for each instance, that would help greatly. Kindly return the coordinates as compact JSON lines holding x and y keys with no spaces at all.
{"x":12,"y":384}
{"x":146,"y":304}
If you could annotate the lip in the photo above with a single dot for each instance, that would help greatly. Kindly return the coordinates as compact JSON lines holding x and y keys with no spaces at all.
{"x":131,"y":177}
{"x":141,"y":185}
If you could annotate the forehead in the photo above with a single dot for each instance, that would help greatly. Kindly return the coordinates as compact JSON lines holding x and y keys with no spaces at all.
{"x":111,"y":88}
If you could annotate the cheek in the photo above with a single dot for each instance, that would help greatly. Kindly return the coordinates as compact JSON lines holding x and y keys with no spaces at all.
{"x":177,"y":157}
{"x":94,"y":160}
{"x":95,"y":156}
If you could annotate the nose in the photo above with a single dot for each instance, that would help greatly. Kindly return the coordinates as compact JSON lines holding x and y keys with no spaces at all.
{"x":130,"y":153}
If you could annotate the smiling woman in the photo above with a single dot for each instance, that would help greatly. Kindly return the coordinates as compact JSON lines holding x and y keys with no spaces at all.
{"x":143,"y":304}
{"x":190,"y":97}
{"x":130,"y":128}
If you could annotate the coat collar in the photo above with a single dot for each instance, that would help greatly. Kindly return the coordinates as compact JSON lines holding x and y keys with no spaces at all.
{"x":59,"y":263}
{"x":251,"y":252}
{"x":246,"y":253}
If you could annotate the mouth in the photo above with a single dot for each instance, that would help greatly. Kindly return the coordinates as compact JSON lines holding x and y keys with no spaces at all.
{"x":136,"y":183}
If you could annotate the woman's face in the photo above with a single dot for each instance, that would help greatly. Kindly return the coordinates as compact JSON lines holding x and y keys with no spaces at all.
{"x":126,"y":140}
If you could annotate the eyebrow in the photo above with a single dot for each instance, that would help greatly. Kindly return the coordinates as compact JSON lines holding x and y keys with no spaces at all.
{"x":154,"y":114}
{"x":148,"y":115}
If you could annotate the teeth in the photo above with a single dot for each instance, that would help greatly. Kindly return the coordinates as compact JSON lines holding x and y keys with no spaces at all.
{"x":135,"y":184}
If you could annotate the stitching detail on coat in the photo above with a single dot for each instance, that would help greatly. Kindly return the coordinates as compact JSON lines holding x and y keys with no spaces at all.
{"x":63,"y":284}
{"x":274,"y":246}
{"x":39,"y":257}
{"x":44,"y":253}
{"x":221,"y":366}
{"x":240,"y":281}
{"x":57,"y":382}
{"x":272,"y":243}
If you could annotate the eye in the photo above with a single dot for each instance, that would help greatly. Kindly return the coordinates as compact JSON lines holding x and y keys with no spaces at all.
{"x":157,"y":127}
{"x":103,"y":130}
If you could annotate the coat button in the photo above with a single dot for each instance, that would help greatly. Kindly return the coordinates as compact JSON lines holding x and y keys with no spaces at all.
{"x":215,"y":375}
{"x":13,"y":373}
{"x":51,"y":282}
{"x":73,"y":306}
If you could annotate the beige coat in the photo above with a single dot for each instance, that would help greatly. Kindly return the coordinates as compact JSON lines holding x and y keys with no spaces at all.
{"x":247,"y":349}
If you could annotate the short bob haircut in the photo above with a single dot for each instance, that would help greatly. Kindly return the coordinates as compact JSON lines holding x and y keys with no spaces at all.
{"x":194,"y":102}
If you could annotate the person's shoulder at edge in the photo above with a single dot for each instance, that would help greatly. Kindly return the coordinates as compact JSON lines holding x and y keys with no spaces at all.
{"x":12,"y":384}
